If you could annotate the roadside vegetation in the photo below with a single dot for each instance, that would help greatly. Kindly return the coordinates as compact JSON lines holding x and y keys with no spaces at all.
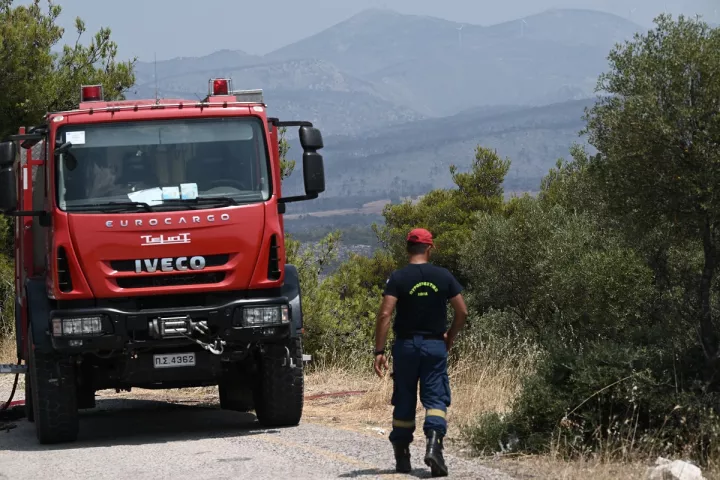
{"x":595,"y":304}
{"x":599,"y":294}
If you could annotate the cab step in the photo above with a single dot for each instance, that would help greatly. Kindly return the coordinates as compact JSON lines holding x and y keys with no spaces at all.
{"x":9,"y":368}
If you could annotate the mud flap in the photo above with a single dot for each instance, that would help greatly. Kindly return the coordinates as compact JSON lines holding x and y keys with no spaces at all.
{"x":291,"y":290}
{"x":39,"y":314}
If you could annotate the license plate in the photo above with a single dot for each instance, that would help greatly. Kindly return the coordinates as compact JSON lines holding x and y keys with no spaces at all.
{"x":173,"y":360}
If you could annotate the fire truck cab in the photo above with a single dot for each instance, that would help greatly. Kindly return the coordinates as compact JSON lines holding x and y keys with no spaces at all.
{"x":149,"y":253}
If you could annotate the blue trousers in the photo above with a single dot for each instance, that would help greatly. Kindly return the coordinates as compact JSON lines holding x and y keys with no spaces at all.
{"x":424,"y":360}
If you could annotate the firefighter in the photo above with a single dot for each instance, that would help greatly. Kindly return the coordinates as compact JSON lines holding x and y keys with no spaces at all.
{"x":420,"y":291}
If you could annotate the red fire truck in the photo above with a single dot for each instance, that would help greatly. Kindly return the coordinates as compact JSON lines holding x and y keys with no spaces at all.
{"x":149,"y":253}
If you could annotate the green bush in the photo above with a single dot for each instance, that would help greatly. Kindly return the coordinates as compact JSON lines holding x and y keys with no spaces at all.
{"x":618,"y":361}
{"x":339,"y":309}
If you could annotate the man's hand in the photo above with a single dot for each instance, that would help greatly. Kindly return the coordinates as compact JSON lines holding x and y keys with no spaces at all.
{"x":449,"y":341}
{"x":380,"y":362}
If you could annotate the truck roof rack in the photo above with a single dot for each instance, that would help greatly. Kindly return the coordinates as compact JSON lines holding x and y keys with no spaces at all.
{"x":249,"y":96}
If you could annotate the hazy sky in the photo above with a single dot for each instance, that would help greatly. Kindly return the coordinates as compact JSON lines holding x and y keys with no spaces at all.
{"x":174,"y":28}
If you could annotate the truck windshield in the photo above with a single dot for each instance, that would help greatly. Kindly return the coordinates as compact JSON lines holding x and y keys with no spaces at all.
{"x":163,"y":163}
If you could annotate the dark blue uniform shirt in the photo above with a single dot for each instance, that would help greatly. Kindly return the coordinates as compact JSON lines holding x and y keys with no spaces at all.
{"x":423,"y":291}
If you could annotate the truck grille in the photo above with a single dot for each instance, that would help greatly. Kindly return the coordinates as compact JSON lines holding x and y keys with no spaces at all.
{"x":170,"y":280}
{"x":129,"y":265}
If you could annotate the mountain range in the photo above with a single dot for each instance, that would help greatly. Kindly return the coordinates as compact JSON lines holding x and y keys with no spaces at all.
{"x":392,"y":68}
{"x":412,"y":158}
{"x":401,"y":97}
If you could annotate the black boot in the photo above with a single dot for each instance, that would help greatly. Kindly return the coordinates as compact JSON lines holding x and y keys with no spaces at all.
{"x":402,"y":457}
{"x":434,"y":457}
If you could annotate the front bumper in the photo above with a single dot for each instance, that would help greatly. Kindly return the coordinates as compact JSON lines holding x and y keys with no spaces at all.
{"x":142,"y":330}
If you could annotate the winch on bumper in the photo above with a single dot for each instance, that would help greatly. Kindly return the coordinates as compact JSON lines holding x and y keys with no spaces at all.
{"x":214,"y":328}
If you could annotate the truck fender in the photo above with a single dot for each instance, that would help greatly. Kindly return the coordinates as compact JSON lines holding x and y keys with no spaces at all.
{"x":291,"y":290}
{"x":38,"y":314}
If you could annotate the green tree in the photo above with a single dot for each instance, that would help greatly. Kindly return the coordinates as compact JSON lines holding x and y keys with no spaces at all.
{"x":35,"y":80}
{"x":449,"y":214}
{"x":286,"y":166}
{"x":658,"y":162}
{"x":570,"y":185}
{"x":341,"y":329}
{"x":552,"y":276}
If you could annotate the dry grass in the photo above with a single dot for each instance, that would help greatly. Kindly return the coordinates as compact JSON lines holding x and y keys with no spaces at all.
{"x":7,"y":350}
{"x":559,"y":469}
{"x":483,"y":379}
{"x":546,"y":467}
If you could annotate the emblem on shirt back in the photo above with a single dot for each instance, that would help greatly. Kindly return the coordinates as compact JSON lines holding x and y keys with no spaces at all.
{"x":414,"y":290}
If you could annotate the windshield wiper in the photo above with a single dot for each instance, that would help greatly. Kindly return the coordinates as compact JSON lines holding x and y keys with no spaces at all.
{"x":111,"y":206}
{"x":221,"y":201}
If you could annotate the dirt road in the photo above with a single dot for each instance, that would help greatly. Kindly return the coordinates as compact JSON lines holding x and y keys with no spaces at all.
{"x":148,"y":439}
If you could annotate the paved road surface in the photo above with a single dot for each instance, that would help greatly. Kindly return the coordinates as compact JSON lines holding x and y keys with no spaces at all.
{"x":145,"y":439}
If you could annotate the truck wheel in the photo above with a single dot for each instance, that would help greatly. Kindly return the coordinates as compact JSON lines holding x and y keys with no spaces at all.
{"x":280,"y":390}
{"x":53,"y":396}
{"x":28,"y":399}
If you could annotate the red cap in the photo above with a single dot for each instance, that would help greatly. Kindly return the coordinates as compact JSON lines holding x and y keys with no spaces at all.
{"x":420,"y":235}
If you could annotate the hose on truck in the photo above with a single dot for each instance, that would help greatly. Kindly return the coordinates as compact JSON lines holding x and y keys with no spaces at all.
{"x":7,"y":414}
{"x":12,"y":393}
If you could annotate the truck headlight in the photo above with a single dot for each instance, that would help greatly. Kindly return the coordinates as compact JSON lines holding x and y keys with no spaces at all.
{"x":257,"y":316}
{"x":80,"y":327}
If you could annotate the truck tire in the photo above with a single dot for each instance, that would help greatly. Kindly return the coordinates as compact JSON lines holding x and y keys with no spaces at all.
{"x":280,"y":389}
{"x":54,"y":398}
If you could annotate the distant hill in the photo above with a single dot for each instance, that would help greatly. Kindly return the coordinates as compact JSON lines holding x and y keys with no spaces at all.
{"x":222,"y":59}
{"x":549,"y":57}
{"x":438,"y":67}
{"x":381,"y":67}
{"x":374,"y":39}
{"x":413,"y":158}
{"x":304,"y":89}
{"x":578,"y":27}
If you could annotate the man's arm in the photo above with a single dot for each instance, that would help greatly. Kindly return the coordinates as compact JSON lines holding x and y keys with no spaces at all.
{"x":382,"y":324}
{"x":458,"y":304}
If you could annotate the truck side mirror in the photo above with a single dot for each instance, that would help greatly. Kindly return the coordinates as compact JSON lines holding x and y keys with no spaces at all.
{"x":313,"y":168}
{"x":313,"y":173}
{"x":311,"y":139}
{"x":8,"y":186}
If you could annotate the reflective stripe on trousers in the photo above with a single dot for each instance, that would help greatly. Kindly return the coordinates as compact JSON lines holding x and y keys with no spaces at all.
{"x":424,"y":360}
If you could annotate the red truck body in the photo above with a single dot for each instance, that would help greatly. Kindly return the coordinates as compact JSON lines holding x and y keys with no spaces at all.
{"x":114,"y":281}
{"x":92,"y":242}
